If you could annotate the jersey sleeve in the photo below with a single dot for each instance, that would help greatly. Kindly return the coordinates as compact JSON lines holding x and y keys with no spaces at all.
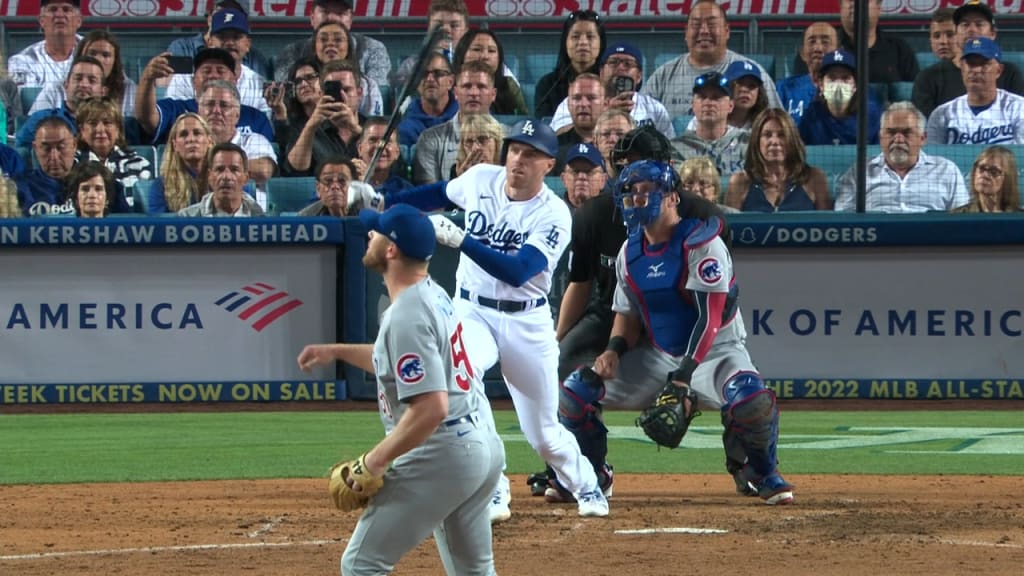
{"x":414,"y":355}
{"x":465,"y":190}
{"x":551,"y":233}
{"x":710,"y":267}
{"x":623,"y":301}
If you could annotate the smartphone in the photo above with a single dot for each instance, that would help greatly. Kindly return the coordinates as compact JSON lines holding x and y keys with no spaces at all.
{"x":624,"y":84}
{"x":180,"y":64}
{"x":332,"y":88}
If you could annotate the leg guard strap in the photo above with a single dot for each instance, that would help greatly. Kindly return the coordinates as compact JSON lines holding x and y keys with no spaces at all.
{"x":580,"y":412}
{"x":751,"y":415}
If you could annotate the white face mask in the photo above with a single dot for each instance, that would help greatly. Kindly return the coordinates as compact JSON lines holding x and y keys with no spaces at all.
{"x":837,"y":96}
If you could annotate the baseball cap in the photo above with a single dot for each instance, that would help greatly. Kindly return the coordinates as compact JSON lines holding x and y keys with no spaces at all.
{"x":219,"y":54}
{"x":404,"y":225}
{"x":229,"y":19}
{"x":345,"y":4}
{"x":58,"y":113}
{"x":838,"y":58}
{"x":75,"y":3}
{"x":235,"y":4}
{"x":534,"y":133}
{"x":975,"y":6}
{"x":622,"y":48}
{"x":712,"y":80}
{"x":984,"y":47}
{"x":587,"y":152}
{"x":743,"y":68}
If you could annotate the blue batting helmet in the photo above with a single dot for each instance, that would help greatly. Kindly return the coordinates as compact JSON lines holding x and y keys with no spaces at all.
{"x":635,"y":214}
{"x":534,"y":133}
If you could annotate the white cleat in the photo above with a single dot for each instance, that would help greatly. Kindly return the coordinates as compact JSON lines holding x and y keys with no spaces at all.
{"x":500,"y":499}
{"x":592,"y":503}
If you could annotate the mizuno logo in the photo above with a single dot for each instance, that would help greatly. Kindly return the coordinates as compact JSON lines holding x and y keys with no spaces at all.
{"x":260,"y":303}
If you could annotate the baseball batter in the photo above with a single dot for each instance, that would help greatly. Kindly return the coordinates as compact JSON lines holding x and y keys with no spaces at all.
{"x":437,"y":421}
{"x":515,"y":232}
{"x":675,"y":284}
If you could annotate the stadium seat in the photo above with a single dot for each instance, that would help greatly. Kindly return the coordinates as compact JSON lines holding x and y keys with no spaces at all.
{"x":901,"y":91}
{"x":512,"y":61}
{"x":925,"y":59}
{"x":290,"y":194}
{"x":508,"y":119}
{"x":679,"y":123}
{"x":539,"y":64}
{"x":1014,"y":57}
{"x":149,"y":153}
{"x":529,"y":94}
{"x":663,"y":58}
{"x":28,"y":96}
{"x":556,"y":185}
{"x":140,"y":196}
{"x":767,"y":61}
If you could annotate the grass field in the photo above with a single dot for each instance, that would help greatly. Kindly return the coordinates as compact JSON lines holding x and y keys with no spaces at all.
{"x":69,"y":448}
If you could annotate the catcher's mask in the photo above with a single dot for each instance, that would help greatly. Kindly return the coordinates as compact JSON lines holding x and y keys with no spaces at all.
{"x":639,"y":210}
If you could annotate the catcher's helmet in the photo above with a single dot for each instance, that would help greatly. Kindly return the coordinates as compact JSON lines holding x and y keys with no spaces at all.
{"x":532,"y":133}
{"x":644,"y":142}
{"x":637,"y":215}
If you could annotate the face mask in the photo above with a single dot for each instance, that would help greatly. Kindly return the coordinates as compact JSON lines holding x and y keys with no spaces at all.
{"x":837,"y":96}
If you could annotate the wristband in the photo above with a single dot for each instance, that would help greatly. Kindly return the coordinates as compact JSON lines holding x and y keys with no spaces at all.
{"x":618,"y":345}
{"x":685,"y":371}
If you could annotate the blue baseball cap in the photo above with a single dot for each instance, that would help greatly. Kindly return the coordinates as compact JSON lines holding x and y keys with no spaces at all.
{"x":743,"y":68}
{"x":622,"y":48}
{"x":712,"y":80}
{"x":587,"y":152}
{"x":229,"y":19}
{"x":838,"y":58}
{"x":987,"y":48}
{"x":534,"y":133}
{"x":404,"y":225}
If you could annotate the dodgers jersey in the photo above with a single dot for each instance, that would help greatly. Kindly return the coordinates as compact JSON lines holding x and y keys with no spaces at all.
{"x":705,"y":266}
{"x":543,"y":222}
{"x":1001,"y":123}
{"x":419,"y":348}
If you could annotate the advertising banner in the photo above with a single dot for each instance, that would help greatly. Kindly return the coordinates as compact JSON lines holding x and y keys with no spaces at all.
{"x":210,"y":314}
{"x":496,"y":8}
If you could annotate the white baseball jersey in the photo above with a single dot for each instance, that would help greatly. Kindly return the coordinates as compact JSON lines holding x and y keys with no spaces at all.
{"x":34,"y":67}
{"x":1001,"y":123}
{"x":543,"y":222}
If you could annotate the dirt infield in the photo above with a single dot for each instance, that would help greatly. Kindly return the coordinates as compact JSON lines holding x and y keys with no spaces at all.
{"x":841,"y":525}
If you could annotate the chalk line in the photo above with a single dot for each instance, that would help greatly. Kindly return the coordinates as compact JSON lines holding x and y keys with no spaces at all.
{"x":151,"y":549}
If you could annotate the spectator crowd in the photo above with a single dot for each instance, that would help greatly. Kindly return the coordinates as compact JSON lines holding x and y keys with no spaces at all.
{"x":229,"y":119}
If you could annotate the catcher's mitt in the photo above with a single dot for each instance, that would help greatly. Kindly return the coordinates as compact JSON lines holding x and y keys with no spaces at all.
{"x":668,"y":419}
{"x":351,"y":484}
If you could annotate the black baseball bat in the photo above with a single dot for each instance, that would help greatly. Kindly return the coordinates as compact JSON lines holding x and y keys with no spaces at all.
{"x":422,"y":59}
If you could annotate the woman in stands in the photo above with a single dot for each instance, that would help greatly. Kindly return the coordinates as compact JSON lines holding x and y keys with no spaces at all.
{"x":483,"y":45}
{"x":776,"y":176}
{"x":297,"y":102}
{"x":699,"y":177}
{"x":101,"y":139}
{"x":179,"y":183}
{"x":582,"y":42}
{"x":90,"y":187}
{"x":994,"y":182}
{"x":831,"y":118}
{"x":748,"y":95}
{"x":104,"y":47}
{"x":331,"y":41}
{"x":480,"y":137}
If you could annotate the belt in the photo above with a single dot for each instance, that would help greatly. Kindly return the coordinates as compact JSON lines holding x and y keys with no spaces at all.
{"x":502,"y":305}
{"x":471,"y":418}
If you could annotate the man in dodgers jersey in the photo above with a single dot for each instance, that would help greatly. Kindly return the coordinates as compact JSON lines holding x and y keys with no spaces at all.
{"x":986,"y":114}
{"x":435,"y":414}
{"x":516,"y":230}
{"x":677,"y":326}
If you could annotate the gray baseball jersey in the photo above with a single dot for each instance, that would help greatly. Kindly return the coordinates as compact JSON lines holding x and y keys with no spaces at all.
{"x":442,"y":487}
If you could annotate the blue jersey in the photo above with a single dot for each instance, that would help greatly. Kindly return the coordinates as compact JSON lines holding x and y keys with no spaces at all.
{"x":796,"y":94}
{"x":819,"y":127}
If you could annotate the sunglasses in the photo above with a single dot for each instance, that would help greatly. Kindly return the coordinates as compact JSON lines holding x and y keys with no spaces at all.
{"x":585,"y":16}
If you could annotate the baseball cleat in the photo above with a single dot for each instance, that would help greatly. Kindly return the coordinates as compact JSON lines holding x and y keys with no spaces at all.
{"x":592,"y":503}
{"x":775,"y":491}
{"x":743,"y":486}
{"x":500,"y":499}
{"x":555,"y":493}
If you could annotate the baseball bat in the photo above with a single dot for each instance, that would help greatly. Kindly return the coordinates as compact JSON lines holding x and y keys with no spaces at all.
{"x":422,"y":59}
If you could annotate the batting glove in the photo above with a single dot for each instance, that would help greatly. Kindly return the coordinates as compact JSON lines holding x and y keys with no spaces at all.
{"x":362,"y":195}
{"x":447,"y":232}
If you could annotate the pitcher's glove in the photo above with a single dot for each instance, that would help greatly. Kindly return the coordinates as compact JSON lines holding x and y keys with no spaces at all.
{"x":351,"y":484}
{"x":667,"y":420}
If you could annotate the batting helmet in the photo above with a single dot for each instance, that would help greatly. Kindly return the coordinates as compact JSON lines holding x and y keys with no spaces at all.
{"x":532,"y":133}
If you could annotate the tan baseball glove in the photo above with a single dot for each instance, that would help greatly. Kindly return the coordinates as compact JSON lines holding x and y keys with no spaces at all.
{"x":351,"y":484}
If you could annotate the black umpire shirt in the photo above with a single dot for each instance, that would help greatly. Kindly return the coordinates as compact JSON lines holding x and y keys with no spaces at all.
{"x":598,"y":233}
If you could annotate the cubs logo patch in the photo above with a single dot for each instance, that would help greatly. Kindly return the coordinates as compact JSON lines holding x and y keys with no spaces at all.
{"x":709,"y":270}
{"x":410,"y":369}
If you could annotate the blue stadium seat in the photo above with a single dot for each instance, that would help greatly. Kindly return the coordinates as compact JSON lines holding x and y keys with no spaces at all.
{"x":901,"y":91}
{"x":834,"y":161}
{"x":539,"y":64}
{"x":767,"y":61}
{"x":663,"y":58}
{"x":149,"y":153}
{"x":925,"y":59}
{"x":512,"y":61}
{"x":290,"y":194}
{"x":1014,"y":57}
{"x":140,"y":196}
{"x":530,"y":95}
{"x":508,"y":119}
{"x":28,"y":96}
{"x":679,"y":123}
{"x":556,"y":185}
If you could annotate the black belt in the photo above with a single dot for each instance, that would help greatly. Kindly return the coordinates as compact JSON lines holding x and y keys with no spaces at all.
{"x":502,"y":305}
{"x":471,"y":418}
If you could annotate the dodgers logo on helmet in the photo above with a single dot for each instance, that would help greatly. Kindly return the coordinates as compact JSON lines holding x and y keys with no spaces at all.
{"x":709,"y":270}
{"x":410,"y":369}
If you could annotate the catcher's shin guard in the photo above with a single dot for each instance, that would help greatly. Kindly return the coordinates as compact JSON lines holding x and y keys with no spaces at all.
{"x":580,"y":413}
{"x":751,"y":417}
